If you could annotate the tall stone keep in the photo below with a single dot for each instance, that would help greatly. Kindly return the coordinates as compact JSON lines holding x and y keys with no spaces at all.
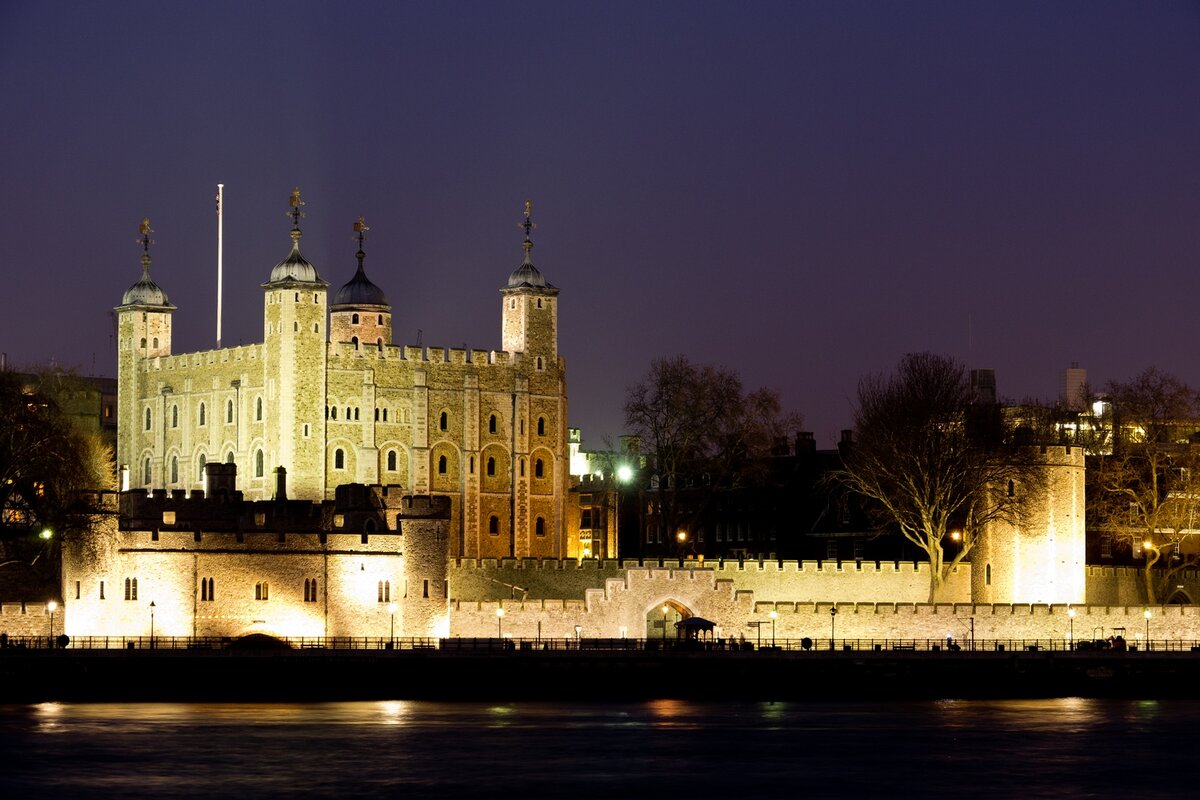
{"x":1040,"y":558}
{"x":143,"y":332}
{"x":294,"y":355}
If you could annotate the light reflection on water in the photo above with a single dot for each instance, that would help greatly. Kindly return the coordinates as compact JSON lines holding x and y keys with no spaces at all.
{"x":1037,"y":748}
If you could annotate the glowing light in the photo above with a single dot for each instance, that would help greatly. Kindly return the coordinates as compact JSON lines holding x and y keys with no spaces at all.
{"x":53,"y":606}
{"x":624,"y":473}
{"x":681,"y":536}
{"x":46,"y":533}
{"x":956,"y":536}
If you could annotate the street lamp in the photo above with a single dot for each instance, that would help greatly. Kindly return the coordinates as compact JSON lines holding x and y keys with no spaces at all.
{"x":664,"y":625}
{"x":392,"y":636}
{"x":774,"y":615}
{"x":832,"y":628}
{"x":624,"y":475}
{"x":499,"y":623}
{"x":1071,"y":633}
{"x":578,"y":631}
{"x":52,"y":607}
{"x":1147,"y":615}
{"x":151,"y":624}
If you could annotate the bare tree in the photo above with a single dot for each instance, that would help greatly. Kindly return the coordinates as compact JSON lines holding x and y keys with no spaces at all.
{"x":1145,"y":491}
{"x":933,"y":462}
{"x":700,"y":428}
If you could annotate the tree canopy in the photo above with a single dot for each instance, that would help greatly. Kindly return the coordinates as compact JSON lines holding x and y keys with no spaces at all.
{"x":933,"y":461}
{"x":1145,"y":489}
{"x":700,"y":428}
{"x":45,"y":460}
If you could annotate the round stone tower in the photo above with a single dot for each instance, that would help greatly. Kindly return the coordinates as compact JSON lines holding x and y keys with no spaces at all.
{"x":1040,"y":557}
{"x":143,"y":332}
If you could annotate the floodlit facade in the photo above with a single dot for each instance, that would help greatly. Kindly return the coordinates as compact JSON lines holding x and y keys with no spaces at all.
{"x":330,"y":398}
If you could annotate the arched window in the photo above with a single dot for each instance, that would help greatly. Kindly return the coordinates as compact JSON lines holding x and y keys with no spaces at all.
{"x":539,"y":362}
{"x":310,"y":590}
{"x":441,"y":465}
{"x":229,"y":411}
{"x":203,"y":420}
{"x":229,"y":457}
{"x":492,"y":424}
{"x":148,"y":419}
{"x":258,"y":463}
{"x":356,"y":412}
{"x":262,"y":591}
{"x":146,"y":472}
{"x":539,"y":527}
{"x":347,"y":413}
{"x":354,"y":341}
{"x":491,"y":466}
{"x":1012,"y":489}
{"x":379,"y":343}
{"x":258,"y":409}
{"x":541,"y":426}
{"x":155,"y":342}
{"x":377,"y":415}
{"x":174,"y":416}
{"x":333,"y":412}
{"x":174,"y":469}
{"x":339,"y":459}
{"x":391,"y":461}
{"x":987,"y":574}
{"x":385,"y":591}
{"x":131,"y":588}
{"x":143,"y":342}
{"x":538,"y":468}
{"x":493,"y":524}
{"x":379,"y":320}
{"x":385,"y":415}
{"x":206,"y":590}
{"x":354,"y":319}
{"x":443,"y":421}
{"x":203,"y":461}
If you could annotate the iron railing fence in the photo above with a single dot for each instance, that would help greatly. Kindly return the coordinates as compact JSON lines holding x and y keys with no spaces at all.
{"x":519,"y":644}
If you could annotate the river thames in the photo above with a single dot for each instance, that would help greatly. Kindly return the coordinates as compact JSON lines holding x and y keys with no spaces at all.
{"x":1003,"y":748}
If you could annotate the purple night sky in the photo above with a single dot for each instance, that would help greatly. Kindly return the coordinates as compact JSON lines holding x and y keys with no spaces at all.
{"x":802,"y":191}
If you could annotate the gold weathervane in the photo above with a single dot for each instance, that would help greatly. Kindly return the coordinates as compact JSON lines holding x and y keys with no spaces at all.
{"x":296,"y":214}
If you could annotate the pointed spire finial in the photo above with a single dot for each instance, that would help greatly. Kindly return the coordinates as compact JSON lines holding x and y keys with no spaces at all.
{"x":360,"y":228}
{"x":528,"y":225}
{"x":145,"y":241}
{"x":296,"y":214}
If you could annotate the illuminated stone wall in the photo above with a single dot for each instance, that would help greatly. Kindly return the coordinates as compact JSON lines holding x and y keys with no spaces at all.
{"x":1039,"y":559}
{"x":229,"y":583}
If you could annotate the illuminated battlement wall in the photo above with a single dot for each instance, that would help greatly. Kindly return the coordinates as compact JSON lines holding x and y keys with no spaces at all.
{"x":1124,"y":586}
{"x":868,"y":581}
{"x":454,"y":356}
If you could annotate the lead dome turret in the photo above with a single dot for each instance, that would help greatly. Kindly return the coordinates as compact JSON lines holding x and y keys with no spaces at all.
{"x":360,"y":313}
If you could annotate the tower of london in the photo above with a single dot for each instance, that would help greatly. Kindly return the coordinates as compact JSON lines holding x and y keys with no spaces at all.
{"x":332,"y":400}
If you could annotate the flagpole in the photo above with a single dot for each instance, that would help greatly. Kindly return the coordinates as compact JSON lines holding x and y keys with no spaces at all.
{"x":220,"y":251}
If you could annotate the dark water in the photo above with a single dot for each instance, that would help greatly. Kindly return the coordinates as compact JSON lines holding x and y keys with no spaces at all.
{"x":667,"y":749}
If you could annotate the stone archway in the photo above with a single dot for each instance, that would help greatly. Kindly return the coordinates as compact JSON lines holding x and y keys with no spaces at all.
{"x":661,"y":619}
{"x":1180,"y":597}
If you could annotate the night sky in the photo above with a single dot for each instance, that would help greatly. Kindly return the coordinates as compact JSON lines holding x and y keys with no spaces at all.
{"x":801,"y":191}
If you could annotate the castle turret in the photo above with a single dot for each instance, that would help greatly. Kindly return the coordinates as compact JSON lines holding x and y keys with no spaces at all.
{"x":143,"y":332}
{"x":530,"y":312}
{"x":1038,"y":557}
{"x":294,"y":354}
{"x":360,"y":313}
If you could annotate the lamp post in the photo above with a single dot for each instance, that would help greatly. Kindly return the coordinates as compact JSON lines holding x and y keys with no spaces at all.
{"x":1146,"y":614}
{"x":392,"y":633}
{"x":624,"y":474}
{"x":774,"y":615}
{"x":578,"y":631}
{"x":499,"y":623}
{"x":664,"y":625}
{"x":52,"y":607}
{"x":1071,"y":631}
{"x":151,"y":624}
{"x":832,"y":628}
